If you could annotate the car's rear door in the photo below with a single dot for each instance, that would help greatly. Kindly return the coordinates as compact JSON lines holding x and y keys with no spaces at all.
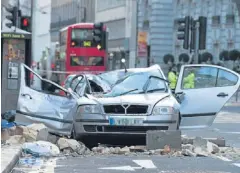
{"x":37,"y":104}
{"x":210,"y":88}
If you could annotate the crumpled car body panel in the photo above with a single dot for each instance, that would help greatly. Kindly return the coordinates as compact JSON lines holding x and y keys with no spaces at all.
{"x":56,"y":112}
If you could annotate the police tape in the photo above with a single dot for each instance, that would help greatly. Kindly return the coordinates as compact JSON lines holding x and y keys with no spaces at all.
{"x":70,"y":72}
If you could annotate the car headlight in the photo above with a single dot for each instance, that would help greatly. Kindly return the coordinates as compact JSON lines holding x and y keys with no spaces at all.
{"x":90,"y":109}
{"x":162,"y":110}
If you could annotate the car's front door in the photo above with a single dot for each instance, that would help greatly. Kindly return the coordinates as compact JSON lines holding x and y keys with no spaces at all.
{"x":38,"y":103}
{"x":204,"y":90}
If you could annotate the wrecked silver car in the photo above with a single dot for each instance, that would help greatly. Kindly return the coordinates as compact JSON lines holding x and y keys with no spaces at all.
{"x":138,"y":100}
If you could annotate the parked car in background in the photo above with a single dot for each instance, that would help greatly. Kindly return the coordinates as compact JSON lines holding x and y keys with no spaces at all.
{"x":139,"y":100}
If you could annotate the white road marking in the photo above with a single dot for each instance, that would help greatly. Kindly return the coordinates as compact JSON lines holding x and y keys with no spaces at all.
{"x":148,"y":164}
{"x":236,"y":164}
{"x":237,"y":133}
{"x":122,"y":168}
{"x":224,"y":158}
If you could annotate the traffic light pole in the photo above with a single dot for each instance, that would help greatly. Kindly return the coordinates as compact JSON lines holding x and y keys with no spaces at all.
{"x":17,"y":18}
{"x":196,"y":50}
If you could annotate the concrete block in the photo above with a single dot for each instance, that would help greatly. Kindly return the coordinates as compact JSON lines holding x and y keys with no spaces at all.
{"x":219,"y":142}
{"x":157,"y":139}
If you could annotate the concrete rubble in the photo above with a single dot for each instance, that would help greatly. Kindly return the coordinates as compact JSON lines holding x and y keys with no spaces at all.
{"x":72,"y":146}
{"x":191,"y":147}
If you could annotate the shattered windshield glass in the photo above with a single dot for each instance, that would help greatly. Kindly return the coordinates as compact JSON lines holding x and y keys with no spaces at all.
{"x":138,"y":83}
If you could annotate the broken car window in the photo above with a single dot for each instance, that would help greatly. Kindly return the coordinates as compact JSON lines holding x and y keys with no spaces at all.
{"x":42,"y":86}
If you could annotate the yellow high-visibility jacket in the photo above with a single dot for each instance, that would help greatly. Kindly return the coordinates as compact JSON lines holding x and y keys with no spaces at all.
{"x":172,"y":78}
{"x":189,"y":81}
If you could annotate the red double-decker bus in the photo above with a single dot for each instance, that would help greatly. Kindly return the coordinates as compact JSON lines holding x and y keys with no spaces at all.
{"x":79,"y":52}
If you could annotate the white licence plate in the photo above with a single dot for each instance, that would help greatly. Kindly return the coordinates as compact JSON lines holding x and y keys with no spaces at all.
{"x":125,"y":121}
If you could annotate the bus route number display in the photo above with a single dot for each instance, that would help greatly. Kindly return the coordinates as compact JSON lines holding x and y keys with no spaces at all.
{"x":87,"y":43}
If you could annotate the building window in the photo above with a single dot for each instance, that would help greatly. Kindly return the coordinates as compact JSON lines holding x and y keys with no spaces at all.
{"x":230,"y":19}
{"x":216,"y":21}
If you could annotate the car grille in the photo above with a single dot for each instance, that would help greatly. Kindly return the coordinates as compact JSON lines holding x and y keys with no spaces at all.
{"x":120,"y":109}
{"x":126,"y":129}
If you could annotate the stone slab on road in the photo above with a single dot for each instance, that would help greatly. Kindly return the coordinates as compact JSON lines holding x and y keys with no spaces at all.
{"x":9,"y":157}
{"x":156,"y":139}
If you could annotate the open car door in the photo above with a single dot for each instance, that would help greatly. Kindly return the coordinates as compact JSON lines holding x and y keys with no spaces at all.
{"x":203,"y":90}
{"x":39,"y":104}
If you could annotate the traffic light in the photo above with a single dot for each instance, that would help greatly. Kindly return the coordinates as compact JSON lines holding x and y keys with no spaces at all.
{"x":193,"y":36}
{"x":25,"y":23}
{"x":202,"y":32}
{"x":12,"y":17}
{"x":184,"y":27}
{"x":98,"y":35}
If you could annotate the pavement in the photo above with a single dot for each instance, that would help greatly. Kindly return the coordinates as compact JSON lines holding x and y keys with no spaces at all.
{"x":9,"y":157}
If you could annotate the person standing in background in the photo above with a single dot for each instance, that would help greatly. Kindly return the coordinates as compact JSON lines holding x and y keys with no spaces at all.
{"x":172,"y":76}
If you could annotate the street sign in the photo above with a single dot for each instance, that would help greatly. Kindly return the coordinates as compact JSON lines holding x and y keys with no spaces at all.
{"x":16,"y":35}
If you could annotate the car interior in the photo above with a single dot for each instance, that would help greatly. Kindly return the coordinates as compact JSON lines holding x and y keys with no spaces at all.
{"x":94,"y":87}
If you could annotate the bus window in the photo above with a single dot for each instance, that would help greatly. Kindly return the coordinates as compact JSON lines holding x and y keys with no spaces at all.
{"x":87,"y":61}
{"x":82,"y":34}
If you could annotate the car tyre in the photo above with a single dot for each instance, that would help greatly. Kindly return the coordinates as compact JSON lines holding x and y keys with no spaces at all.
{"x":74,"y":135}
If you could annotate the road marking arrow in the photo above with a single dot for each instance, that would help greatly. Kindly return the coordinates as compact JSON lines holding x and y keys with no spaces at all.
{"x":122,"y":168}
{"x":236,"y":164}
{"x":147,"y":164}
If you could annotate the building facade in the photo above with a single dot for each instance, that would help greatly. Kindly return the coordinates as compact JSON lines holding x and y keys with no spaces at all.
{"x":157,"y":18}
{"x":223,"y":25}
{"x":120,"y":19}
{"x":67,"y":12}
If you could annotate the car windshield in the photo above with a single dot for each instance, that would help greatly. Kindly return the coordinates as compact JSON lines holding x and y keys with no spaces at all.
{"x":141,"y":82}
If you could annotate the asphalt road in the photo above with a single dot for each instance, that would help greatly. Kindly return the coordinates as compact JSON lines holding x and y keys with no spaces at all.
{"x":139,"y":164}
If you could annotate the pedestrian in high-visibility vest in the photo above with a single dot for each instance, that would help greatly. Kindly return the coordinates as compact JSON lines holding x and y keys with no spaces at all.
{"x":172,"y":77}
{"x":189,"y":80}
